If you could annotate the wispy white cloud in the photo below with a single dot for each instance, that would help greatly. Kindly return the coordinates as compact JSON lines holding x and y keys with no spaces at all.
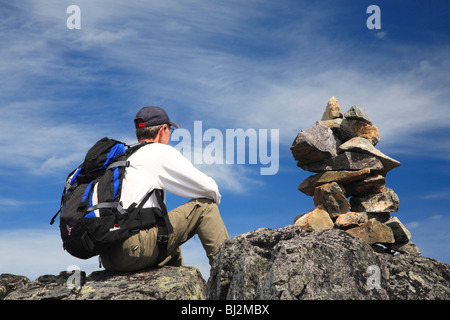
{"x":105,"y":38}
{"x":37,"y":142}
{"x":202,"y":60}
{"x":233,"y":178}
{"x":413,"y":225}
{"x":36,"y":252}
{"x":432,"y":236}
{"x":441,"y":195}
{"x":13,"y":202}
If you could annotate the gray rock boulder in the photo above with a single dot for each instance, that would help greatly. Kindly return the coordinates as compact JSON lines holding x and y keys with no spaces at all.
{"x":345,"y":161}
{"x":291,"y":263}
{"x":11,"y":282}
{"x":314,"y":144}
{"x":413,"y":277}
{"x":372,"y":183}
{"x":351,"y":128}
{"x":166,"y":283}
{"x":385,"y":201}
{"x":363,"y":145}
{"x":357,"y":113}
{"x":332,"y":111}
{"x":341,"y":177}
{"x":331,"y":196}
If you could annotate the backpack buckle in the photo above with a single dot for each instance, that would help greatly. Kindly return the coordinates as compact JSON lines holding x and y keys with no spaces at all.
{"x":163,"y":238}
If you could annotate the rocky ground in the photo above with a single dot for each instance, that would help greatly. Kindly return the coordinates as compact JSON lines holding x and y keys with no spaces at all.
{"x":294,"y":264}
{"x":168,"y":283}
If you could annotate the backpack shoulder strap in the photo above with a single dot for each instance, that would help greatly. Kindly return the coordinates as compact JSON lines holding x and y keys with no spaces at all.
{"x":54,"y":217}
{"x":162,"y":220}
{"x":136,"y":147}
{"x":128,"y":152}
{"x":164,"y":226}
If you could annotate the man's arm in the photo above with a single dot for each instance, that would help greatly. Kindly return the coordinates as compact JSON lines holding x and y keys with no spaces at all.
{"x":179,"y":176}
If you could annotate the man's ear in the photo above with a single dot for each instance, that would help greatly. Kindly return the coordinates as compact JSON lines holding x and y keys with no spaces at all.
{"x":160,"y":134}
{"x":161,"y":131}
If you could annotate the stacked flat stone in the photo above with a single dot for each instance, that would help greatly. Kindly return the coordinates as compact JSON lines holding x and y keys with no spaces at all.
{"x":340,"y":150}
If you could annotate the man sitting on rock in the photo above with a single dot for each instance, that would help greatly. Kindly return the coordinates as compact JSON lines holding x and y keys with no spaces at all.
{"x":160,"y":166}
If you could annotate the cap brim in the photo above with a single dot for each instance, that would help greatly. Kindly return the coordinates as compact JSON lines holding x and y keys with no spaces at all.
{"x":173,"y":124}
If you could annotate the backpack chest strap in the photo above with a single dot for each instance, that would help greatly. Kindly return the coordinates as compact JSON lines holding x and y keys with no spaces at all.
{"x":107,"y":205}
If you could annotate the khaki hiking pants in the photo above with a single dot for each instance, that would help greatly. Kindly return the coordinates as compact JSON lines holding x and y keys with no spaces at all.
{"x":198,"y":216}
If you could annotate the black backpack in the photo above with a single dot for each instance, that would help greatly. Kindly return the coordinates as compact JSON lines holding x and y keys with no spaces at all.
{"x":92,"y":217}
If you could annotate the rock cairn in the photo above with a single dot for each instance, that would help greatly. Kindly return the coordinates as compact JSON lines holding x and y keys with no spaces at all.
{"x":340,"y":150}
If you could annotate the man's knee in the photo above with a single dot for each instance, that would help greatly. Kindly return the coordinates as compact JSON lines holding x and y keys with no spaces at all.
{"x":206,"y":201}
{"x":208,"y":204}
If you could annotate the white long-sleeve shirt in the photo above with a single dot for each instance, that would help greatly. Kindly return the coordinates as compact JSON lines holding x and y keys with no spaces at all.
{"x":161,"y":166}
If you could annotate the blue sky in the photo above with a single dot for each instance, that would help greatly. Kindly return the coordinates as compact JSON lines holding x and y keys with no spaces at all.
{"x":230,"y":64}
